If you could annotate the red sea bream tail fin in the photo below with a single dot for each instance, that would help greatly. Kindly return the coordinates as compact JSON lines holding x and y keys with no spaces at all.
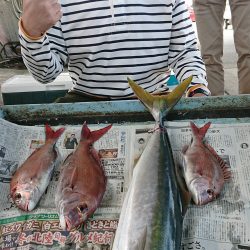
{"x":200,"y":132}
{"x":51,"y":134}
{"x":93,"y":135}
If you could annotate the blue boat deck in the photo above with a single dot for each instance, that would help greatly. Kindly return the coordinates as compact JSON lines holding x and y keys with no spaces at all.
{"x":236,"y":107}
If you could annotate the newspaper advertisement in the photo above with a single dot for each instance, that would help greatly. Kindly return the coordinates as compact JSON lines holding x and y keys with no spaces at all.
{"x":222,"y":224}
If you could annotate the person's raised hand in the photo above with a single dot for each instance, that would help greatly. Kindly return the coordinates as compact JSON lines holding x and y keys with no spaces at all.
{"x":40,"y":15}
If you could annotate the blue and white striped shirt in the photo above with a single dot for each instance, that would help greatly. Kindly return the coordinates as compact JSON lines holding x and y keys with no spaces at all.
{"x":103,"y":46}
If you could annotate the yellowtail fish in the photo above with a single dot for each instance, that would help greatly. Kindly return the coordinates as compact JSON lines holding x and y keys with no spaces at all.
{"x":204,"y":171}
{"x":32,"y":178}
{"x":82,"y":181}
{"x":152,"y":213}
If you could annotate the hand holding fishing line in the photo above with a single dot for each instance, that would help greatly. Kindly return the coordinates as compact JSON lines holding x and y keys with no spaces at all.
{"x":38,"y":16}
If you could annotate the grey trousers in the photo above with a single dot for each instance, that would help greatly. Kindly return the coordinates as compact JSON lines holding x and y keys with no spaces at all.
{"x":209,"y":20}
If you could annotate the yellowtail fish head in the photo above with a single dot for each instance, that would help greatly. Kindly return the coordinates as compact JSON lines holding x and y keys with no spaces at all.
{"x":202,"y":191}
{"x":25,"y":197}
{"x":159,"y":106}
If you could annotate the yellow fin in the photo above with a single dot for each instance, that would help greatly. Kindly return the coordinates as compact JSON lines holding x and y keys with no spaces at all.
{"x":176,"y":94}
{"x":159,"y":106}
{"x":146,"y":98}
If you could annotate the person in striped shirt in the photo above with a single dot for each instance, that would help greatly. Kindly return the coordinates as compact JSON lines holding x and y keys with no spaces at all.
{"x":102,"y":42}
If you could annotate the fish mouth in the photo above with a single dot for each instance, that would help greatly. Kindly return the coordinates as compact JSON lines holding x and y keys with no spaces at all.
{"x":75,"y":217}
{"x":62,"y":222}
{"x":199,"y":201}
{"x":30,"y":205}
{"x":202,"y":191}
{"x":25,"y":198}
{"x":24,"y":207}
{"x":69,"y":224}
{"x":66,"y":223}
{"x":204,"y":198}
{"x":19,"y":200}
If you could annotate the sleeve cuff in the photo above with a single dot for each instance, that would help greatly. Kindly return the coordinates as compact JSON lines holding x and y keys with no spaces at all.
{"x":198,"y":88}
{"x":26,"y":35}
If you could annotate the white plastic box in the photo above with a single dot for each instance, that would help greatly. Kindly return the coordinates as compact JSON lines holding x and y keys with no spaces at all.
{"x":24,"y":89}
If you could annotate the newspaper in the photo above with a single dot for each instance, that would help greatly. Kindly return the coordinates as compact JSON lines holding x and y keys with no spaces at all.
{"x":40,"y":228}
{"x":222,"y":224}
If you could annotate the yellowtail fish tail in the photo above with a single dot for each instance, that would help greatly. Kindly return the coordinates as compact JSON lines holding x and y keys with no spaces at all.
{"x":51,"y":134}
{"x":159,"y":106}
{"x":93,"y":136}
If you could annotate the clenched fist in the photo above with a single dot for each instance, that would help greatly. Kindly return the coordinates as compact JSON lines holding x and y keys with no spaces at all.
{"x":40,"y":15}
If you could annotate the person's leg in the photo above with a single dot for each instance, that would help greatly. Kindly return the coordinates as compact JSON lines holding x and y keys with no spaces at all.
{"x":209,"y":21}
{"x":241,"y":25}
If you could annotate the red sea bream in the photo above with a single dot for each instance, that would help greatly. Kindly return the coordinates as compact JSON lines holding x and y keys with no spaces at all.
{"x":82,"y":181}
{"x":203,"y":169}
{"x":31,"y":179}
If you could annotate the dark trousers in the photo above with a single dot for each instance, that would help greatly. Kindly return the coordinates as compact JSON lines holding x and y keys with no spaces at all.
{"x":72,"y":96}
